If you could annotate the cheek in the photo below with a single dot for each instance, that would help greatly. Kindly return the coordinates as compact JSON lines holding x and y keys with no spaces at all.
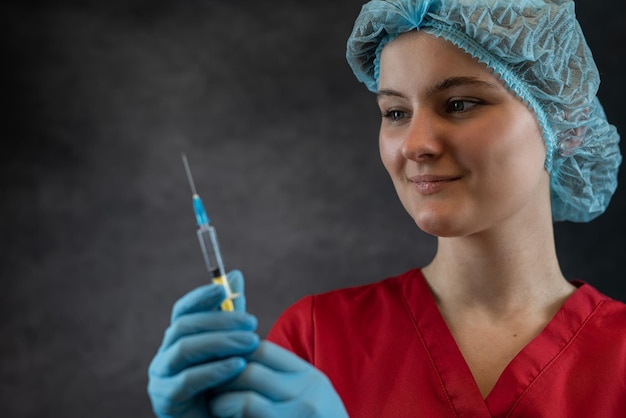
{"x":526,"y":145}
{"x":388,"y":154}
{"x":512,"y":142}
{"x":515,"y":157}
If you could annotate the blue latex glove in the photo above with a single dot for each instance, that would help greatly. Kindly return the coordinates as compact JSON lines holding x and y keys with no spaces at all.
{"x":275,"y":384}
{"x":202,"y":349}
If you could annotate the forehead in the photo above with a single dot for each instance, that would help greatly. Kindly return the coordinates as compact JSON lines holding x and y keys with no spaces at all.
{"x":417,"y":58}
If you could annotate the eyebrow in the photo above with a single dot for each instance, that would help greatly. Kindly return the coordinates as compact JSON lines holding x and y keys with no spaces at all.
{"x":443,"y":85}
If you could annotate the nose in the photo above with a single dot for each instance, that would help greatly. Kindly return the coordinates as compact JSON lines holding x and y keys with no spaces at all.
{"x":422,"y":140}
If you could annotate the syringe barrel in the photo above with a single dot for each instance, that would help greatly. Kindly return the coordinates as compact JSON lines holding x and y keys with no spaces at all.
{"x":211,"y":250}
{"x":213,"y":260}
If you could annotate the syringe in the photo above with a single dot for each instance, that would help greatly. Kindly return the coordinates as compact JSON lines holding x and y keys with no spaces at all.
{"x":209,"y":245}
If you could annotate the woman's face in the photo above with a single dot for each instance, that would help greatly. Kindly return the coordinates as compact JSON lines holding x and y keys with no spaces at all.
{"x":465,"y":155}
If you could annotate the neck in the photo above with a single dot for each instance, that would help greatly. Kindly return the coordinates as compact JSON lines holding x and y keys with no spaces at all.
{"x":496,"y":274}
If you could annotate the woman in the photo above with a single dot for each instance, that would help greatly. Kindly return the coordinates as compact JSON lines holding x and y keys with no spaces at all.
{"x":490,"y":131}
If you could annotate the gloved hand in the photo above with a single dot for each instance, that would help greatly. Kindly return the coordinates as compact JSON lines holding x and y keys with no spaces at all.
{"x":202,"y":349}
{"x":278,"y":384}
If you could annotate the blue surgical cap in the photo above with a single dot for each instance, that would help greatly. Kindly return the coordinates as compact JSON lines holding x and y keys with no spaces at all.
{"x":538,"y":50}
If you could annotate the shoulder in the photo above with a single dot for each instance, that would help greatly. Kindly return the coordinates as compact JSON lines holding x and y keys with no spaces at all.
{"x":355,"y":298}
{"x":607,"y":319}
{"x":598,"y":348}
{"x":613,"y":312}
{"x":604,"y":305}
{"x":372,"y":293}
{"x":330,"y":313}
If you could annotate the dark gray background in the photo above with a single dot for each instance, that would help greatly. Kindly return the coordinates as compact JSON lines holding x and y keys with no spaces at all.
{"x":98,"y":236}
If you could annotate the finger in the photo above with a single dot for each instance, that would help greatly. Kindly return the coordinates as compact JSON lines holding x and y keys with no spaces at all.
{"x":203,"y":298}
{"x":242,"y":404}
{"x":273,"y":385}
{"x":168,"y":393}
{"x":277,"y":358}
{"x":201,"y":348}
{"x":252,"y":405}
{"x":203,"y":322}
{"x":236,"y":282}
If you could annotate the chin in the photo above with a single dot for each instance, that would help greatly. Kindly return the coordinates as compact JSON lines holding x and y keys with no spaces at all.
{"x":441,"y":226}
{"x":442,"y":232}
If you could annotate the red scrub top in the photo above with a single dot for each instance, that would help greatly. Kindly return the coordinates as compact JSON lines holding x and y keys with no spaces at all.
{"x":388,"y":352}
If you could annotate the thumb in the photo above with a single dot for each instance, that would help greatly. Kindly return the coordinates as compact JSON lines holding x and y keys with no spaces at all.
{"x":236,"y":282}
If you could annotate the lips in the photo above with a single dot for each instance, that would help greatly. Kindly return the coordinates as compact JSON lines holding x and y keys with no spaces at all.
{"x":428,"y":184}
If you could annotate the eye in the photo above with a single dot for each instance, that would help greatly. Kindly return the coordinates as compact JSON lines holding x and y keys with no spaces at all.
{"x":394,"y":115}
{"x":458,"y":106}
